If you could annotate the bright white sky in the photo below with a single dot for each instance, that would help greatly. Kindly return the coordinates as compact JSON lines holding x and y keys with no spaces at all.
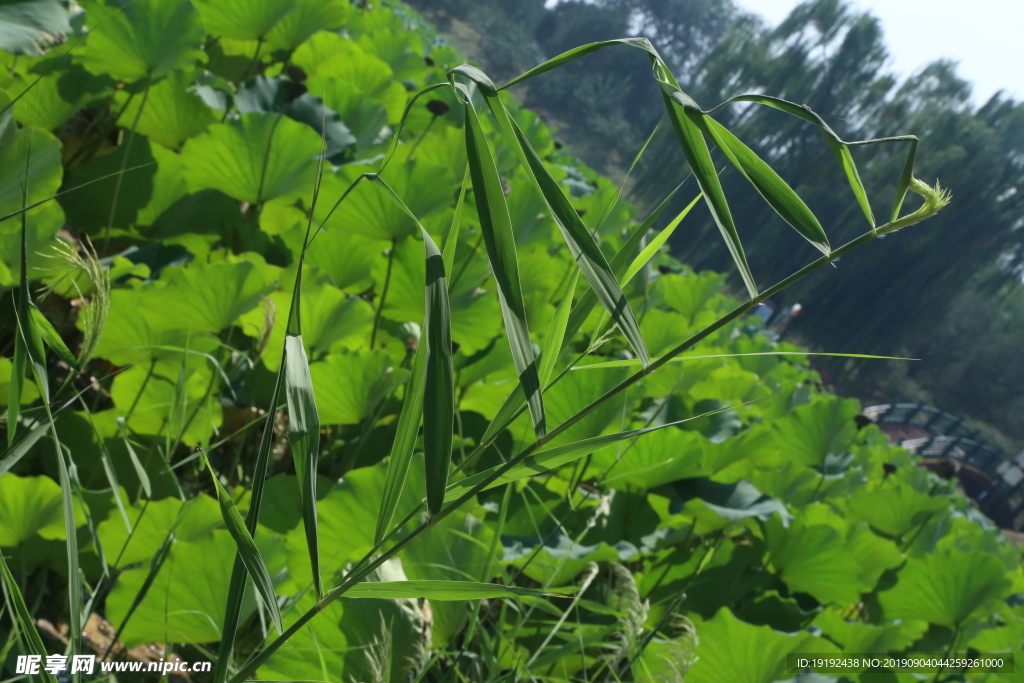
{"x":985,"y":36}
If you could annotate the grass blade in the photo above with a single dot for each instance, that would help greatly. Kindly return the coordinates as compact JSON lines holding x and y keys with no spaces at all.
{"x":841,"y":150}
{"x":769,"y":185}
{"x":155,"y":563}
{"x":50,"y":337}
{"x":140,"y":471}
{"x":33,"y":352}
{"x":437,"y":590}
{"x":304,"y":435}
{"x":236,"y":587}
{"x":496,"y":226}
{"x":439,"y":389}
{"x":905,"y":179}
{"x":687,"y":119}
{"x":579,"y":314}
{"x":552,"y":458}
{"x":556,"y":330}
{"x":439,"y":410}
{"x":25,"y":622}
{"x":18,"y":451}
{"x":657,"y":243}
{"x":405,"y":441}
{"x":679,"y":359}
{"x":585,"y":251}
{"x":643,"y":258}
{"x":578,"y":238}
{"x":451,"y":242}
{"x":576,"y":53}
{"x":14,"y":389}
{"x":246,"y":547}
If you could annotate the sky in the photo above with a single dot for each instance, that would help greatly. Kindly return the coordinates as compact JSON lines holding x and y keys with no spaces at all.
{"x":984,"y":36}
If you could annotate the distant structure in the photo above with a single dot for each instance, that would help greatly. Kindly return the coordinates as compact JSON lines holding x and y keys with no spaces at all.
{"x":992,"y":480}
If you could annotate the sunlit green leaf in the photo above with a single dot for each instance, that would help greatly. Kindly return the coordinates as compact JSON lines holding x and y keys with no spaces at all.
{"x":254,"y":159}
{"x":242,"y":20}
{"x":946,"y":588}
{"x":142,"y":39}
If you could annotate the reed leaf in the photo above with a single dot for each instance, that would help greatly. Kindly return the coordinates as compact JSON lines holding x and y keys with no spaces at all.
{"x":140,"y":471}
{"x":769,"y":184}
{"x":437,"y":590}
{"x":247,"y":550}
{"x":577,"y":316}
{"x":439,"y":383}
{"x":405,"y":441}
{"x":25,"y":624}
{"x":584,"y":249}
{"x":680,"y":359}
{"x":687,"y":121}
{"x":304,"y":435}
{"x":51,"y":338}
{"x":496,"y":226}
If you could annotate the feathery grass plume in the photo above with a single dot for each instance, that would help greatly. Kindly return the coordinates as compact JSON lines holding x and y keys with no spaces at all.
{"x":635,"y":612}
{"x":378,"y":656}
{"x":679,"y":653}
{"x":935,"y":199}
{"x":94,"y":308}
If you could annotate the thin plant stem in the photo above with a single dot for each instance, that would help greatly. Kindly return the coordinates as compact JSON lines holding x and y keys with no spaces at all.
{"x":124,"y":165}
{"x":384,"y":293}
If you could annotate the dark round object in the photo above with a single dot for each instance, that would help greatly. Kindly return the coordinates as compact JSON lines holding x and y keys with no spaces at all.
{"x":437,"y":107}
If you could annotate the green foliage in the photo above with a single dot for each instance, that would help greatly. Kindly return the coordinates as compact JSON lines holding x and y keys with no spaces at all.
{"x":300,"y":307}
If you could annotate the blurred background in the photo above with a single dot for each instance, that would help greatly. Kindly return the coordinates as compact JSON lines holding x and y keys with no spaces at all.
{"x":949,"y":294}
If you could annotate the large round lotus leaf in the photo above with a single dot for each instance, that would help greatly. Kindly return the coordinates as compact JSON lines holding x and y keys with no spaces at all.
{"x":190,"y":522}
{"x":346,"y":258}
{"x":308,"y":17}
{"x":185,"y":603}
{"x":142,"y":39}
{"x":374,"y":213}
{"x":256,"y":158}
{"x":30,"y":506}
{"x":653,"y":460}
{"x":689,"y":294}
{"x":262,"y":94}
{"x":818,"y":430}
{"x":93,"y":209}
{"x":812,"y":558}
{"x":348,"y":386}
{"x":331,"y":321}
{"x":49,"y":101}
{"x":31,"y":155}
{"x":242,"y":19}
{"x":946,"y":588}
{"x":863,"y":637}
{"x":204,"y":298}
{"x":733,"y":651}
{"x":159,"y":401}
{"x":347,"y":518}
{"x":476,"y":319}
{"x":893,"y":510}
{"x":172,"y":113}
{"x":29,"y":392}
